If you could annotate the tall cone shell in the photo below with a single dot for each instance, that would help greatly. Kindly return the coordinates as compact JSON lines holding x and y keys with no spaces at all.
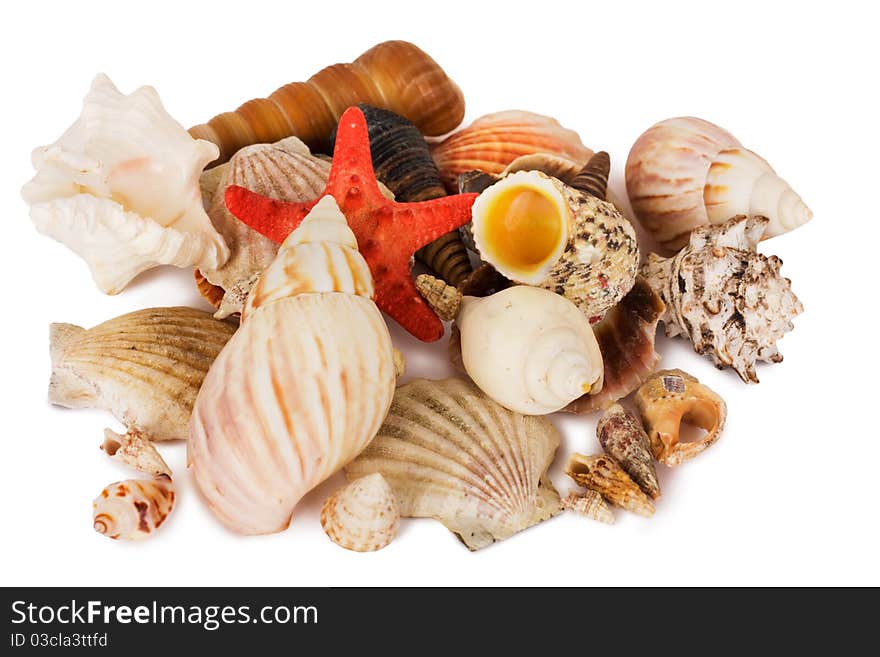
{"x":133,"y":509}
{"x":285,"y":171}
{"x":394,"y":75}
{"x":452,"y":454}
{"x":145,"y":367}
{"x":361,"y":516}
{"x":686,"y":172}
{"x":622,"y":437}
{"x":303,"y":385}
{"x":493,"y":141}
{"x":402,"y":160}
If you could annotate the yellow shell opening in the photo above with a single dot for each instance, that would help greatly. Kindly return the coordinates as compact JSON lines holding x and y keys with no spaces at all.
{"x":520,"y":225}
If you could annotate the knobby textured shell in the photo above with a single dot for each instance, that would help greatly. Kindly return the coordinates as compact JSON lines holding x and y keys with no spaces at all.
{"x":686,"y":172}
{"x":452,"y":454}
{"x":285,"y":171}
{"x":444,"y":299}
{"x":133,"y":509}
{"x":671,"y":397}
{"x":586,"y":252}
{"x":135,"y":450}
{"x":402,"y":160}
{"x":729,"y":300}
{"x":590,"y":504}
{"x":120,"y":189}
{"x":601,"y":474}
{"x":302,"y":386}
{"x":361,"y":516}
{"x":626,"y":340}
{"x":622,"y":437}
{"x":145,"y":367}
{"x":394,"y":75}
{"x":493,"y":141}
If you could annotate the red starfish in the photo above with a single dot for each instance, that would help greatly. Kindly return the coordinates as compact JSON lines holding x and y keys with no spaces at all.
{"x":388,"y":233}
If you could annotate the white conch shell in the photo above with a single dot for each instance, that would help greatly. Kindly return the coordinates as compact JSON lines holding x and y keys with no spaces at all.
{"x":451,"y":453}
{"x":686,"y":172}
{"x":135,"y":450}
{"x":302,"y":386}
{"x":121,"y":188}
{"x":529,"y":349}
{"x":133,"y":509}
{"x":361,"y":516}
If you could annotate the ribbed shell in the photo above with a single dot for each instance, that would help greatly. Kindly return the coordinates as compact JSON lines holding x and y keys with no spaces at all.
{"x":361,"y":516}
{"x":493,"y":141}
{"x":145,"y":367}
{"x":285,"y":171}
{"x":601,"y":473}
{"x":450,"y":453}
{"x":133,"y":509}
{"x":590,"y":504}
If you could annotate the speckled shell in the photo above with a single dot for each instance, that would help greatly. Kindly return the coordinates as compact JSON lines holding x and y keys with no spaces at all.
{"x":394,"y":75}
{"x":599,"y":261}
{"x":686,"y":172}
{"x":451,"y":453}
{"x":302,"y":386}
{"x":285,"y":171}
{"x":133,"y":509}
{"x":493,"y":141}
{"x":601,"y":473}
{"x":135,"y":450}
{"x":145,"y":367}
{"x":622,"y":437}
{"x":361,"y":516}
{"x":671,"y":397}
{"x":729,"y":300}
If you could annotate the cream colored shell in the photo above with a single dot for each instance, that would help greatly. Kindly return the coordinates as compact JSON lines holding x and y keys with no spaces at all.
{"x":361,"y":516}
{"x":529,"y":349}
{"x":133,"y":509}
{"x":300,"y":389}
{"x":120,"y":188}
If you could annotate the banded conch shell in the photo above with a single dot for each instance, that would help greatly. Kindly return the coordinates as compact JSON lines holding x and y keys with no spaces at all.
{"x":285,"y":171}
{"x":145,"y":367}
{"x":362,"y":516}
{"x":302,"y":386}
{"x":536,"y":230}
{"x":527,"y":348}
{"x":402,"y":160}
{"x":393,"y":75}
{"x":671,"y":397}
{"x":452,"y":454}
{"x":729,"y":300}
{"x":493,"y":141}
{"x":120,"y":189}
{"x":133,"y":509}
{"x":686,"y":172}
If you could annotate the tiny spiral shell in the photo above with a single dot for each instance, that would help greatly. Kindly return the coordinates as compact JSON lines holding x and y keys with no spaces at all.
{"x":362,"y":516}
{"x":133,"y":509}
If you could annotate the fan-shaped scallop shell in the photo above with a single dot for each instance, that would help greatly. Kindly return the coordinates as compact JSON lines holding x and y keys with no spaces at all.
{"x":451,"y":453}
{"x":133,"y":509}
{"x":145,"y":367}
{"x":361,"y":516}
{"x":493,"y":141}
{"x":285,"y":171}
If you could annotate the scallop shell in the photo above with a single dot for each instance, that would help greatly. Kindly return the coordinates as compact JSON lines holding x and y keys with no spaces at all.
{"x":686,"y":172}
{"x":601,"y":474}
{"x":452,"y":454}
{"x":536,"y":230}
{"x":671,"y":397}
{"x":590,"y":504}
{"x":622,"y":437}
{"x":302,"y":386}
{"x":394,"y":75}
{"x":285,"y":171}
{"x":362,"y":516}
{"x":728,"y":299}
{"x":626,"y":339}
{"x":120,"y":189}
{"x":135,"y":450}
{"x":493,"y":141}
{"x":145,"y":367}
{"x":133,"y":509}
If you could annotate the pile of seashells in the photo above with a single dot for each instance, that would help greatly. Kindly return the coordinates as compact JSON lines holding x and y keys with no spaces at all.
{"x":295,"y":376}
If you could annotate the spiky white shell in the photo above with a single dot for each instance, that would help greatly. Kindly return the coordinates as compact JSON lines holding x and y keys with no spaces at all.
{"x":121,"y":188}
{"x":361,"y":516}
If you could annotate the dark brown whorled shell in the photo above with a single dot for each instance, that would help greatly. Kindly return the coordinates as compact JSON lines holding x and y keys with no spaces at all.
{"x":402,"y":160}
{"x":593,"y":178}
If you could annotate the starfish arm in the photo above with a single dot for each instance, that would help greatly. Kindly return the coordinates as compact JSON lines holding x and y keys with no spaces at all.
{"x":352,"y":165}
{"x":397,"y":296}
{"x":269,"y":217}
{"x":428,"y":220}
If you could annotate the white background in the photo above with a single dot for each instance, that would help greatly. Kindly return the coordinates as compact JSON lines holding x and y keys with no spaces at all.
{"x":789,"y":493}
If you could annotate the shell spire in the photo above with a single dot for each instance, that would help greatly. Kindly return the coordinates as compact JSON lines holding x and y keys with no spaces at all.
{"x":593,"y":178}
